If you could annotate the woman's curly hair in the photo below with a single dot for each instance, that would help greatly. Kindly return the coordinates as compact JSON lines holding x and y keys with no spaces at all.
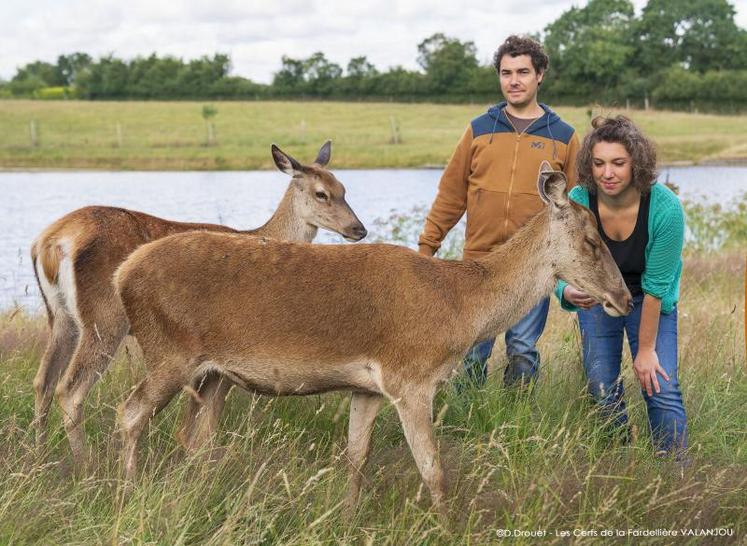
{"x":623,"y":131}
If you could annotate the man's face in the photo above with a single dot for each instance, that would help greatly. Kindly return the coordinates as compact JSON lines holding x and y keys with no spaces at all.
{"x":519,"y":80}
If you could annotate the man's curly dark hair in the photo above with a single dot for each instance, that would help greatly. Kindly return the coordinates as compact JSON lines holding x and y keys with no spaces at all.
{"x":522,"y":45}
{"x":623,"y":131}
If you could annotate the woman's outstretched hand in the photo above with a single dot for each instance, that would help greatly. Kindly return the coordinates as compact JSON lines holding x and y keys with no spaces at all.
{"x":576,"y":297}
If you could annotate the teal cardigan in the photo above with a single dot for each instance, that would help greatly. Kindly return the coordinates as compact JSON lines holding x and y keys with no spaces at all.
{"x":663,"y":254}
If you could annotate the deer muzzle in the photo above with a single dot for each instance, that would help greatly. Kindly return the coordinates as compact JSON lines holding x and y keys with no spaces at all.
{"x":356,"y":232}
{"x":618,"y":303}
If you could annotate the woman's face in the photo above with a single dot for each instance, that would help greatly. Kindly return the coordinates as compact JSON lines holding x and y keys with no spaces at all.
{"x":612,"y":168}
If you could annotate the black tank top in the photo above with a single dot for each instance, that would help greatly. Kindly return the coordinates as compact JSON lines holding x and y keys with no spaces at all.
{"x":630,"y":254}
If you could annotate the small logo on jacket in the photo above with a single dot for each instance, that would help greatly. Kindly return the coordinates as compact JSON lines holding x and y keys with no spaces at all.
{"x":537,"y":144}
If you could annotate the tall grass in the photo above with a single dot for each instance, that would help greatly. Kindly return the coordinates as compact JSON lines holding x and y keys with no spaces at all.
{"x":712,"y":226}
{"x":171,"y":135}
{"x":542,"y":460}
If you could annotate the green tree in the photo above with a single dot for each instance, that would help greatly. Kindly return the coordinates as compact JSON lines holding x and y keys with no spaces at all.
{"x":105,"y":79}
{"x":321,"y":75}
{"x":237,"y":87}
{"x":197,"y":77}
{"x":34,"y":76}
{"x":360,"y":77}
{"x":69,"y":66}
{"x":399,"y":82}
{"x":449,"y":64}
{"x":589,"y":47}
{"x":291,"y":76}
{"x":677,"y":84}
{"x":26,"y":86}
{"x":699,"y":34}
{"x":359,"y":67}
{"x":316,"y":76}
{"x":153,"y":77}
{"x":681,"y":87}
{"x":484,"y":82}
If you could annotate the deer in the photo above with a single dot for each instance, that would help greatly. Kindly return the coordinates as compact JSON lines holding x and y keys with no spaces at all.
{"x":74,"y":259}
{"x":382,"y":321}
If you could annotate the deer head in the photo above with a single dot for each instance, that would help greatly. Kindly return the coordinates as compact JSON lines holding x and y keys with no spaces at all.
{"x":581,"y":258}
{"x":321,"y":197}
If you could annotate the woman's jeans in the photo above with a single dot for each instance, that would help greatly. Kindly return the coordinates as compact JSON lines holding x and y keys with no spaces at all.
{"x":602,"y":337}
{"x":521,"y":349}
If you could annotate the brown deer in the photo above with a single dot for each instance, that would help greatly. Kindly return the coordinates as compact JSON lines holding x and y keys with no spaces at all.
{"x":75,"y":257}
{"x":382,"y":321}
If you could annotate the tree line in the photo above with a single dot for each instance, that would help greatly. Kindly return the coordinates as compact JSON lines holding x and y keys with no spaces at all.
{"x":676,"y":54}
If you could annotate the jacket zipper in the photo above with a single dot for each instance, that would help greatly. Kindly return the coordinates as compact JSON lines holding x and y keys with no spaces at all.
{"x":513,"y":172}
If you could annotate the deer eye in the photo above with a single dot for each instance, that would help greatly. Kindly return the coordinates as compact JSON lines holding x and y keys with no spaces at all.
{"x":321,"y":196}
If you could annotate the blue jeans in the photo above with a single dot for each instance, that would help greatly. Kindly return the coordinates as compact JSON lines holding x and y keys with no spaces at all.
{"x":602,"y":338}
{"x":521,"y":340}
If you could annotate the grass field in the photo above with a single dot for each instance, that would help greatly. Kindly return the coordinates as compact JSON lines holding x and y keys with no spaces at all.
{"x":172,"y":135}
{"x":537,"y":462}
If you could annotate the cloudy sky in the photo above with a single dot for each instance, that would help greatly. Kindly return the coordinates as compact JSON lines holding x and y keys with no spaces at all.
{"x":257,"y":33}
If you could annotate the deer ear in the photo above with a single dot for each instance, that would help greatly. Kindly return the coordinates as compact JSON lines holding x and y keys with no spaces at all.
{"x":551,"y":186}
{"x":324,"y":154}
{"x":285,"y":162}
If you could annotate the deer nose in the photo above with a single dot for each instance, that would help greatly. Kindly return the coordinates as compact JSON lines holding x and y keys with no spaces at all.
{"x":627,"y":301}
{"x":358,"y":232}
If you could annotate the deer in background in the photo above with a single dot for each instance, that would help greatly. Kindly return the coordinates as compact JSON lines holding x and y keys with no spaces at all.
{"x":74,"y":259}
{"x":382,"y":321}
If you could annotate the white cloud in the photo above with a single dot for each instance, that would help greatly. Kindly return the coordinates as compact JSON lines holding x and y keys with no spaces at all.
{"x":257,"y":33}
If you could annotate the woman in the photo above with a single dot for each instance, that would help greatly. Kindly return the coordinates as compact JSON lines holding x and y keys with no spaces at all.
{"x":642,"y":223}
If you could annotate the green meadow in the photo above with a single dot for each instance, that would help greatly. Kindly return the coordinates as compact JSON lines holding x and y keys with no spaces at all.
{"x":174,"y":135}
{"x":533,"y":463}
{"x":541,"y":461}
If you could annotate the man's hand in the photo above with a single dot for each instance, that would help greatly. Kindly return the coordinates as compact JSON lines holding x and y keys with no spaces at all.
{"x":646,"y":366}
{"x":576,"y":297}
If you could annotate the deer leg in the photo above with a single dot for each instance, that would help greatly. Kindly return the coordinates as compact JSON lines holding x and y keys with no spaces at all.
{"x":151,"y":396}
{"x":416,"y":416}
{"x":93,"y":356}
{"x":56,"y":359}
{"x":363,"y":410}
{"x":201,"y":417}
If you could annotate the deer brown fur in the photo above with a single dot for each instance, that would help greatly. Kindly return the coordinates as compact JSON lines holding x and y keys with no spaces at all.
{"x":74,"y":259}
{"x":381,"y":321}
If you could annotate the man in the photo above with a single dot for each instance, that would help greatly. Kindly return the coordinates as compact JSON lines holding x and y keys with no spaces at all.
{"x":492,"y":175}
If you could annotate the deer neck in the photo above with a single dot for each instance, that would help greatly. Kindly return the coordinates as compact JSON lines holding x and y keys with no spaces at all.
{"x":516,"y":276}
{"x":287,"y":222}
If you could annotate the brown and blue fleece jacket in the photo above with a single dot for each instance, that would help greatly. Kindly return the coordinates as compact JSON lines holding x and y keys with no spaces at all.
{"x":492,"y":175}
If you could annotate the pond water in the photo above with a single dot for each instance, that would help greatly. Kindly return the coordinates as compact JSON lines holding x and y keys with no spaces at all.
{"x":29,"y":201}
